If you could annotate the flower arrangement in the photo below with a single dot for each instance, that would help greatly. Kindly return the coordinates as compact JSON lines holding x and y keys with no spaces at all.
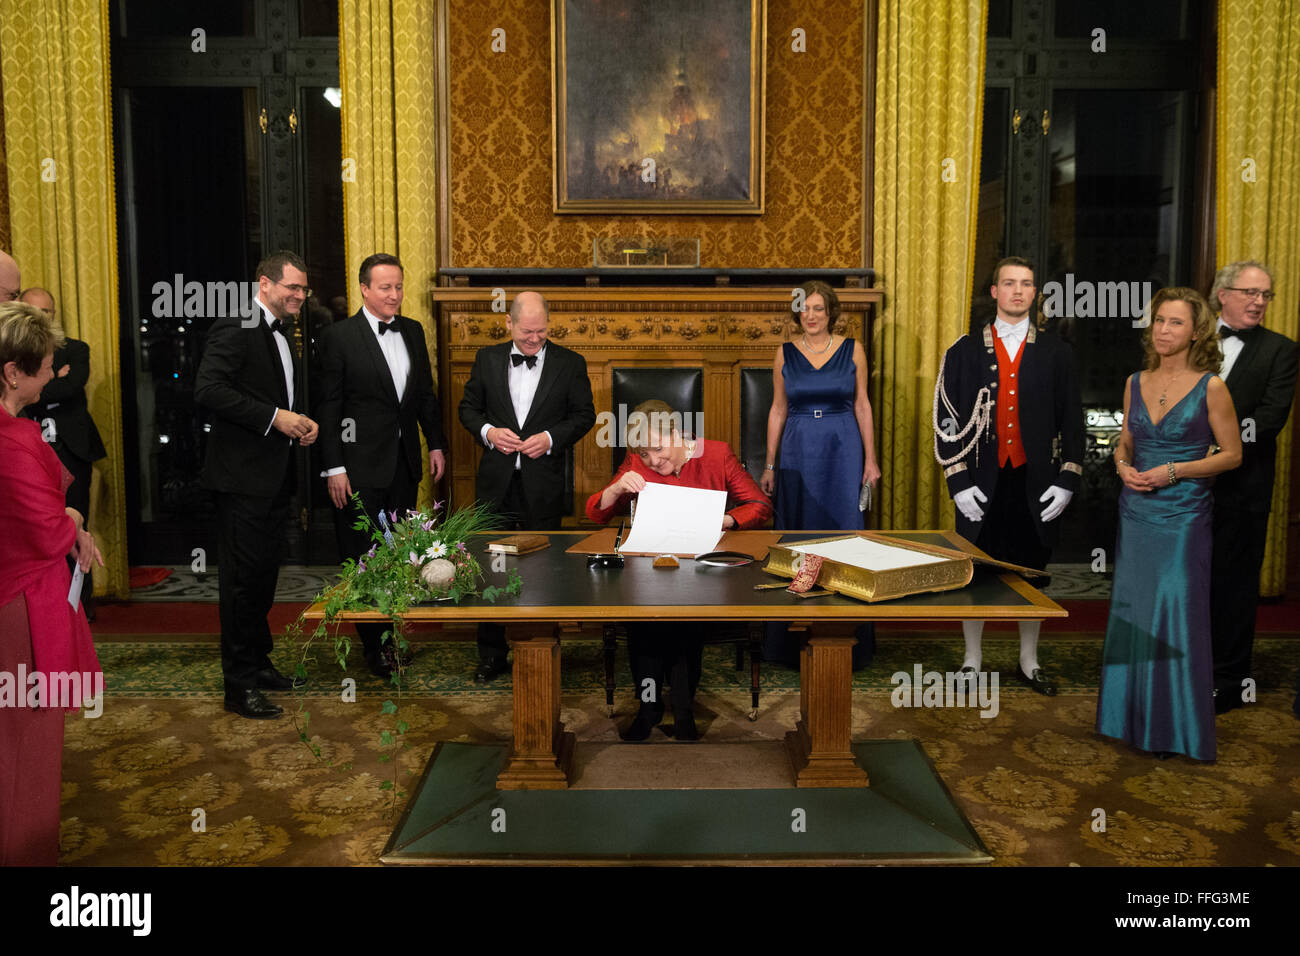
{"x":414,"y":558}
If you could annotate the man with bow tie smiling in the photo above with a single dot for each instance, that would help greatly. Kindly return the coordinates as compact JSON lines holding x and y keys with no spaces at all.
{"x":247,"y":382}
{"x":527,"y":401}
{"x":1259,"y":368}
{"x":375,"y":397}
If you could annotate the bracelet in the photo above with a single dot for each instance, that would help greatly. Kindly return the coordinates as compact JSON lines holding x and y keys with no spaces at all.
{"x":769,"y":467}
{"x":1173,"y":476}
{"x":1121,"y":461}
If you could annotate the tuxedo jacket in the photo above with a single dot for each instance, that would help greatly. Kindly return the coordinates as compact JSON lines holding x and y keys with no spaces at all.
{"x":1262,"y":385}
{"x":64,"y":401}
{"x":562,"y":406}
{"x":1051,"y":420}
{"x":240,"y":382}
{"x":364,"y":427}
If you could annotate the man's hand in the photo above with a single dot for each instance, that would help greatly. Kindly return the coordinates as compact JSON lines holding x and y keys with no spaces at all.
{"x":966,"y":503}
{"x":535,"y":446}
{"x":63,"y":372}
{"x":340,"y":489}
{"x":437,"y":463}
{"x":504,"y":440}
{"x":310,"y":437}
{"x":1057,"y":498}
{"x":294,"y":425}
{"x":728,"y":522}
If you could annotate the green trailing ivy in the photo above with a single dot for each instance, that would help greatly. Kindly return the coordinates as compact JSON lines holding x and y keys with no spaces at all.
{"x":391,"y":578}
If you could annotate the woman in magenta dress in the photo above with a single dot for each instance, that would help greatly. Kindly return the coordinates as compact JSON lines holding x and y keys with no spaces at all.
{"x":40,"y":632}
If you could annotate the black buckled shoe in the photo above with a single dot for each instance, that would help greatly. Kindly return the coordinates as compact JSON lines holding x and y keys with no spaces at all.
{"x":252,"y":703}
{"x":647,"y":716}
{"x":1037,"y":682}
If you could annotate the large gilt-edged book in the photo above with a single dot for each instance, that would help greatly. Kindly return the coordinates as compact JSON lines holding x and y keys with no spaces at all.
{"x":874,"y":567}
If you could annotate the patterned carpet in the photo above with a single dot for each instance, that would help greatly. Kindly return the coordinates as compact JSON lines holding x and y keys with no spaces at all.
{"x":165,"y":757}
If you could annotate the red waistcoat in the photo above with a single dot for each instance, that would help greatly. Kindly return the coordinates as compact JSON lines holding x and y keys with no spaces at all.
{"x":1010,"y":447}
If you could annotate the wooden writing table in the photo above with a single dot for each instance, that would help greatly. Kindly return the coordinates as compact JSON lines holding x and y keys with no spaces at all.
{"x":559,"y":592}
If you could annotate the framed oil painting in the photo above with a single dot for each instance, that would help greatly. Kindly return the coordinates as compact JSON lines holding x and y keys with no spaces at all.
{"x":657,"y":106}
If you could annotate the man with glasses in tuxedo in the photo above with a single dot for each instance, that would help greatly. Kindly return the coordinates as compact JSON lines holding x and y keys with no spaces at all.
{"x":1259,"y":368}
{"x":247,"y":382}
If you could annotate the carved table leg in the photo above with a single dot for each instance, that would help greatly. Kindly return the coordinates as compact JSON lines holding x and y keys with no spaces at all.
{"x":541,"y":757}
{"x":819,"y":748}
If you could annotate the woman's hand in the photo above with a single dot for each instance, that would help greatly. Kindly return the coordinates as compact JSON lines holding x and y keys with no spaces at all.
{"x":767,"y":481}
{"x":871,"y":473}
{"x":630,"y":484}
{"x":1158,"y":477}
{"x":85,"y":551}
{"x":1133,"y":479}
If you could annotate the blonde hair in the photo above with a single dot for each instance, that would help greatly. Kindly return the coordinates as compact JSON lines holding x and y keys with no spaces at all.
{"x":652,"y":417}
{"x":27,"y":335}
{"x":1204,"y":354}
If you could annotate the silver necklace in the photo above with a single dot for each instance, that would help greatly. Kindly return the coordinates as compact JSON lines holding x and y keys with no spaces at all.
{"x":822,"y":349}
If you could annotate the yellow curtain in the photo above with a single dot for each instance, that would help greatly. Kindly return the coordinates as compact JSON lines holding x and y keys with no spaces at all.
{"x":59,"y":144}
{"x":387,"y":62}
{"x":929,"y":105}
{"x":1258,"y":207}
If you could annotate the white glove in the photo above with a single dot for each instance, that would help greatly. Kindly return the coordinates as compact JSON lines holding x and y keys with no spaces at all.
{"x":965,"y":502}
{"x":1059,"y":498}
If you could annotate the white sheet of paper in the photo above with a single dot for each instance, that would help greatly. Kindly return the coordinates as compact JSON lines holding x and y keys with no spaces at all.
{"x":675,"y":520}
{"x":74,"y":592}
{"x":865,"y":553}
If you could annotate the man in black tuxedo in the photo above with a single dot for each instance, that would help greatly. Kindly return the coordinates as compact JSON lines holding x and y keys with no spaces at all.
{"x":527,"y":401}
{"x":375,"y":397}
{"x":1010,"y":438}
{"x":1259,"y":368}
{"x":65,"y":420}
{"x":247,"y":379}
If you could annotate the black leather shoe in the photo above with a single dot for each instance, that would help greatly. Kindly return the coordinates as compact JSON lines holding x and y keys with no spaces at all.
{"x":1037,"y":682}
{"x":252,"y":703}
{"x":1163,"y":754}
{"x":379,"y":665}
{"x":489,"y":670}
{"x":268,"y":678}
{"x":642,"y":724}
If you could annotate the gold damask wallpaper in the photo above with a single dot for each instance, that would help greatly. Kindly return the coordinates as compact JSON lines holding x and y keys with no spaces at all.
{"x":4,"y":181}
{"x":500,"y":148}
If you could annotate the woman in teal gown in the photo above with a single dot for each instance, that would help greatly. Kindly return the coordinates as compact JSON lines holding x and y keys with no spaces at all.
{"x":1157,"y":679}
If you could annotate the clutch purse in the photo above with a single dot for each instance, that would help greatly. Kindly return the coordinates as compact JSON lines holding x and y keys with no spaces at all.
{"x":864,"y":497}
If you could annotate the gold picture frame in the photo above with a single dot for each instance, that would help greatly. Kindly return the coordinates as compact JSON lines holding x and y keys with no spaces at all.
{"x":657,"y":106}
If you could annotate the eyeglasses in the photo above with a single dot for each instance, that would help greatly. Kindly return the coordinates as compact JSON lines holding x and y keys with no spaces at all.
{"x":302,"y":290}
{"x":1267,"y":294}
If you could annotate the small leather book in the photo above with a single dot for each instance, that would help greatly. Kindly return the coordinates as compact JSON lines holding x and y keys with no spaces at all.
{"x":520,"y":544}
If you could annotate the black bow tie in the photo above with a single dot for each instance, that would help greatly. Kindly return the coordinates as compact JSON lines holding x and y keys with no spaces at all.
{"x":387,"y":327}
{"x":1227,"y":332}
{"x":277,"y":326}
{"x":518,"y":359}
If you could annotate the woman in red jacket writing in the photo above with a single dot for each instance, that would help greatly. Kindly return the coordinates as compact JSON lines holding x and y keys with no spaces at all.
{"x":659,"y":452}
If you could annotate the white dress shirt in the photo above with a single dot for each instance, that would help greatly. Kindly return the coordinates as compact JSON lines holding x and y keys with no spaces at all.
{"x":1231,"y":346}
{"x":1012,"y":336}
{"x":522,"y":382}
{"x":286,"y":360}
{"x":394,"y":349}
{"x":399,"y":366}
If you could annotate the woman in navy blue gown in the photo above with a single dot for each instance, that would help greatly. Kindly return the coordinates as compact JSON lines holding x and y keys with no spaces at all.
{"x":1157,"y":678}
{"x":820,"y":422}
